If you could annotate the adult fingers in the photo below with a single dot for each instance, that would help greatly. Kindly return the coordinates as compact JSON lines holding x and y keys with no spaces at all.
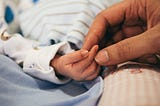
{"x":131,"y":48}
{"x":149,"y":59}
{"x":109,"y":17}
{"x":96,"y":32}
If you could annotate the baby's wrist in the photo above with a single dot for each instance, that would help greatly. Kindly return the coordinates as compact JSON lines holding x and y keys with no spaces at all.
{"x":53,"y":64}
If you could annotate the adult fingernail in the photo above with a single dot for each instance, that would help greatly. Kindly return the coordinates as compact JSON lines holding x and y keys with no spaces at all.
{"x":102,"y":57}
{"x":84,"y":53}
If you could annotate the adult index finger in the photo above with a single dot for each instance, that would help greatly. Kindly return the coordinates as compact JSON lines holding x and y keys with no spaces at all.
{"x":109,"y":17}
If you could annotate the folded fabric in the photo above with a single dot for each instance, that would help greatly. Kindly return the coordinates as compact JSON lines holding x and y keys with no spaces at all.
{"x":20,"y":89}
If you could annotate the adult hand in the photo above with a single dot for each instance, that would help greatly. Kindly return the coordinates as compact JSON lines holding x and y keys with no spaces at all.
{"x":134,"y":28}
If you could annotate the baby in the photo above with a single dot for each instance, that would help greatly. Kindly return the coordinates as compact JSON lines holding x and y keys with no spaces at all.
{"x":51,"y":31}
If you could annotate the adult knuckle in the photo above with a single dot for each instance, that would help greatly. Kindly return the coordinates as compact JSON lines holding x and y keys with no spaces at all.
{"x":124,"y":50}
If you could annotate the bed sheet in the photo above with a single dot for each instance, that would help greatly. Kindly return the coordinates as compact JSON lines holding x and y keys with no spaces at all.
{"x":19,"y":89}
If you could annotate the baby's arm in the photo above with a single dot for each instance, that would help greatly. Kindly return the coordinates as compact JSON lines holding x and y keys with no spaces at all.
{"x":35,"y":59}
{"x":78,"y":65}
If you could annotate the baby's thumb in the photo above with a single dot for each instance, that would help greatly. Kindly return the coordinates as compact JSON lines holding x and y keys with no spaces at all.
{"x":128,"y":49}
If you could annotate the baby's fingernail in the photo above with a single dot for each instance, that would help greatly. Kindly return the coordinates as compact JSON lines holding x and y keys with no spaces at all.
{"x":84,"y":53}
{"x":102,"y":57}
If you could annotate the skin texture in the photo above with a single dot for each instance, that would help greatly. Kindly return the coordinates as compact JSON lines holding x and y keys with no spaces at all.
{"x":131,"y":30}
{"x":79,"y":65}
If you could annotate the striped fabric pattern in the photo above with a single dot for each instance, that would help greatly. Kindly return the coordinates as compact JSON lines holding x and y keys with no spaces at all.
{"x":60,"y":20}
{"x":132,"y":85}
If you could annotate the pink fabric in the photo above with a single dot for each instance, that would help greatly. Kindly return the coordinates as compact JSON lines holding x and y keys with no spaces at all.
{"x":132,"y":85}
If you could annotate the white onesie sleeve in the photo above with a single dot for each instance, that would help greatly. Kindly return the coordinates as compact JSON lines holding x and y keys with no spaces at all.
{"x":36,"y":60}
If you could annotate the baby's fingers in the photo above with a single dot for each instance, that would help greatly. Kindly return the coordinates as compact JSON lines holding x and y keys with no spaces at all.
{"x":93,"y":74}
{"x":89,"y":73}
{"x":83,"y":64}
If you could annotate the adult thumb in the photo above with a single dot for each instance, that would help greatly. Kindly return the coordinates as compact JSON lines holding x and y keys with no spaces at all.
{"x":131,"y":48}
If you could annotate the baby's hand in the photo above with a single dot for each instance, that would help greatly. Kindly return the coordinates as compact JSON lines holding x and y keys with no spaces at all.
{"x":79,"y":65}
